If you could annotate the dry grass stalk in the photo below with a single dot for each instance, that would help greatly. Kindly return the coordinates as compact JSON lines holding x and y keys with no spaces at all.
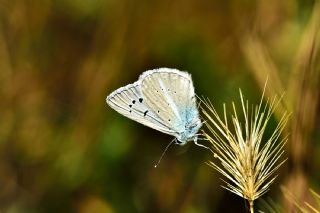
{"x":246,"y":162}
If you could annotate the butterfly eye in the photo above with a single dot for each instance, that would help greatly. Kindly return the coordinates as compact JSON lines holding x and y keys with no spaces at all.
{"x":134,"y":101}
{"x":178,"y":142}
{"x":140,"y":100}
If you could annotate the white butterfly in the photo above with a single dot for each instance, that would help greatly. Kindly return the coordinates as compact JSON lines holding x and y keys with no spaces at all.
{"x":162,"y":99}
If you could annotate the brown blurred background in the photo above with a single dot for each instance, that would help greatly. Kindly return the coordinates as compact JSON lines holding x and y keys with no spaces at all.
{"x":62,"y":149}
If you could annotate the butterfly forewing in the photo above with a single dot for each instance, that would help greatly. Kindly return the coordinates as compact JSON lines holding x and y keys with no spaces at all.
{"x":170,"y":93}
{"x":130,"y":102}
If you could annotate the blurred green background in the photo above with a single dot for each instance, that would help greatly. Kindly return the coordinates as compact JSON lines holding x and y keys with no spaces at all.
{"x":62,"y":149}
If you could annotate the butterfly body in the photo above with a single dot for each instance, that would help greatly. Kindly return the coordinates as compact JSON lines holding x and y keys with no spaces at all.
{"x":162,"y":99}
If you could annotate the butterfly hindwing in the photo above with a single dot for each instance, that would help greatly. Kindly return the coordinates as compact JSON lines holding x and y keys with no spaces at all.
{"x":170,"y":93}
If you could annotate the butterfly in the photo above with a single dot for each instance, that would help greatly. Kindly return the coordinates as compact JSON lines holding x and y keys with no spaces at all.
{"x":163,"y":99}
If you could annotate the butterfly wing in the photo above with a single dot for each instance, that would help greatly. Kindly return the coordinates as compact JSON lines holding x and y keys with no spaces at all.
{"x":170,"y":93}
{"x":130,"y":102}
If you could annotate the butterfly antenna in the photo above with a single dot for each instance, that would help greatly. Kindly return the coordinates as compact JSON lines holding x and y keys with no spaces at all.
{"x":165,"y":150}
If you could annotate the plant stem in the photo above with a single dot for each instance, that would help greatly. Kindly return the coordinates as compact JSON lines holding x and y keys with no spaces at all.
{"x":251,"y":206}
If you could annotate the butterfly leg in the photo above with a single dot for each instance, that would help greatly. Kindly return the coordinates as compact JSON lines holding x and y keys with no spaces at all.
{"x":195,"y":140}
{"x":201,"y":138}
